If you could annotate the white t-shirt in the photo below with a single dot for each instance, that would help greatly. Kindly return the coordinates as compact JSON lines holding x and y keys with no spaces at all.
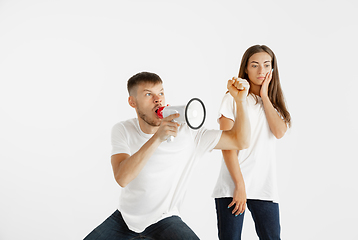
{"x":158,"y":191}
{"x":258,"y":162}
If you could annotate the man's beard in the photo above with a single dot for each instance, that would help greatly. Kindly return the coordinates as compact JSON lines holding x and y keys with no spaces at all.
{"x":146,"y":119}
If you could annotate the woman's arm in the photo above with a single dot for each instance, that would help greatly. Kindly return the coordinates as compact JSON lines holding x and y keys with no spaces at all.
{"x":232,"y":163}
{"x":277,"y":124}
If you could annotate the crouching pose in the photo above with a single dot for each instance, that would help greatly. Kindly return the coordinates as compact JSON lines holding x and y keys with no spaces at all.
{"x":153,"y":173}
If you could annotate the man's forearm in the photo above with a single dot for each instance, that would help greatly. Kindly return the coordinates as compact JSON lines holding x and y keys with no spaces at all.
{"x":242,"y":129}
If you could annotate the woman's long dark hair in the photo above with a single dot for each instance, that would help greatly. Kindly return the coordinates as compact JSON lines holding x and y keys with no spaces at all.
{"x":275,"y":93}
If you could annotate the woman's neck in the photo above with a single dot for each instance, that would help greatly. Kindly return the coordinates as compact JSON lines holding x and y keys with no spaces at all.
{"x":255,"y":89}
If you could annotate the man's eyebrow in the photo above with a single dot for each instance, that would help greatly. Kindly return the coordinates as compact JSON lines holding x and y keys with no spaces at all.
{"x":147,"y":90}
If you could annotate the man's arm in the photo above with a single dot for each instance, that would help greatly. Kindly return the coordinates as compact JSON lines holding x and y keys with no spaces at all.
{"x":126,"y":167}
{"x":238,"y":137}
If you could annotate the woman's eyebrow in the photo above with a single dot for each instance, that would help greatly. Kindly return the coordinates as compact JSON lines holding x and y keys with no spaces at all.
{"x":258,"y":62}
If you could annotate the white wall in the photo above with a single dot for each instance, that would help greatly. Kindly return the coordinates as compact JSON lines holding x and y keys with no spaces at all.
{"x":63,"y":71}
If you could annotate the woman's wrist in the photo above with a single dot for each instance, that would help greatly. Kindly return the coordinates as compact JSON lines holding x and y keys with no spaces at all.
{"x":239,"y":184}
{"x":265,"y":99}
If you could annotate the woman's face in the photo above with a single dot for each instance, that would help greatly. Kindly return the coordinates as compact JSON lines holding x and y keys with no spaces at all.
{"x":258,"y":66}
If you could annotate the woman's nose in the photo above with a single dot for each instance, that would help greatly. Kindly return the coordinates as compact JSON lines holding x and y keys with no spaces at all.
{"x":261,"y":70}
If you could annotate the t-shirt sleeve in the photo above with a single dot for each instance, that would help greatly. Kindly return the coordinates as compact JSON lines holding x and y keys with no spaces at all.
{"x":227,"y":108}
{"x":119,"y":140}
{"x":206,"y":140}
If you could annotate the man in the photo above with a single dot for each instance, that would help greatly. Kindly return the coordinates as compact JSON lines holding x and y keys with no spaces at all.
{"x":153,"y":173}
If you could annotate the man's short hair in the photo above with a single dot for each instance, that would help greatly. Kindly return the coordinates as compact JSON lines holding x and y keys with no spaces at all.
{"x":139,"y":78}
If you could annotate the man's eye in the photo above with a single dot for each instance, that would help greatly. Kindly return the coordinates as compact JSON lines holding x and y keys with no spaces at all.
{"x":148,"y":94}
{"x":161,"y":94}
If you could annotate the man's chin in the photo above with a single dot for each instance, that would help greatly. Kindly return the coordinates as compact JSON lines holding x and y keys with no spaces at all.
{"x":153,"y":123}
{"x":157,"y":123}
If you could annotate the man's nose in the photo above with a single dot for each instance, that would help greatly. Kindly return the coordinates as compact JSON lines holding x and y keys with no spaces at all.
{"x":157,"y":99}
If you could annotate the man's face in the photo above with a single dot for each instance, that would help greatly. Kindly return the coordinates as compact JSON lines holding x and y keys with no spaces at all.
{"x":148,"y":99}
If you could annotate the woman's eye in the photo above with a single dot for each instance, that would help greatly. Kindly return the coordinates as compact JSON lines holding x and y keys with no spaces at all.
{"x":268,"y":65}
{"x":254,"y":66}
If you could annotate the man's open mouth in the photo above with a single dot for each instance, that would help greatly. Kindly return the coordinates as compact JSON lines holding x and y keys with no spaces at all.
{"x":157,"y":108}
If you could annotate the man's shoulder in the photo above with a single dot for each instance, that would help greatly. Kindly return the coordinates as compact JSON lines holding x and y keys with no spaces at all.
{"x":127,"y":124}
{"x":131,"y":121}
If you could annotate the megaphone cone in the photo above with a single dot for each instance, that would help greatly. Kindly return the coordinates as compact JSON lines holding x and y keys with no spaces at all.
{"x":193,"y":113}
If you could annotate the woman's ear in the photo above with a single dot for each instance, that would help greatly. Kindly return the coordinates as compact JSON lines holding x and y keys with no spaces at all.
{"x":132,"y":102}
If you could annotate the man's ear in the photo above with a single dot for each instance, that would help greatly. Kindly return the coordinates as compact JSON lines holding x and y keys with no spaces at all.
{"x":132,"y":102}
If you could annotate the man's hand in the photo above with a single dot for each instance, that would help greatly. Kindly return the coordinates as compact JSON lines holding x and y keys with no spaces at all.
{"x":168,"y":127}
{"x":238,"y":88}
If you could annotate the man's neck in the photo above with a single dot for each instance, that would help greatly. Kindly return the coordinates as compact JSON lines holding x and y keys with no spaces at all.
{"x":146,"y":128}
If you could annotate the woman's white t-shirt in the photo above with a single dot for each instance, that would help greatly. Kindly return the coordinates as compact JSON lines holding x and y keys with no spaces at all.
{"x":258,"y":162}
{"x":158,"y":191}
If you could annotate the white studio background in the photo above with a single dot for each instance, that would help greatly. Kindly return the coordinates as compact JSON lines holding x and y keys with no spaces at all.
{"x":63,"y":71}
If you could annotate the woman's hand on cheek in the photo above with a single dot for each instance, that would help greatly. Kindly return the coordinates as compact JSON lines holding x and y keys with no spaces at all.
{"x":265,"y":85}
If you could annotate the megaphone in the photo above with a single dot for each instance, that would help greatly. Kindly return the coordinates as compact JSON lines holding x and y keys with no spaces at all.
{"x":193,"y":113}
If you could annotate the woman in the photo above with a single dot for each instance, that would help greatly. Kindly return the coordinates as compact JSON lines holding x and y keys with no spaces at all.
{"x":248,"y":177}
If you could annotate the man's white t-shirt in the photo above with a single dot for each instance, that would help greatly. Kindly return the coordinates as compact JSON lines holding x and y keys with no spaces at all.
{"x":258,"y":162}
{"x":158,"y":191}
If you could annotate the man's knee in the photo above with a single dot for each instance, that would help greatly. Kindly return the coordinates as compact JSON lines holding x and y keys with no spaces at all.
{"x":175,"y":229}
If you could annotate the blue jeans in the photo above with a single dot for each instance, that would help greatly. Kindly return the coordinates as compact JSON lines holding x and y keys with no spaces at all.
{"x":264,"y":213}
{"x":114,"y":228}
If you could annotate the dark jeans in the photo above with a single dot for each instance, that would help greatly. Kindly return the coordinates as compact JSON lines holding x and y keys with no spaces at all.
{"x":114,"y":228}
{"x":264,"y":213}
